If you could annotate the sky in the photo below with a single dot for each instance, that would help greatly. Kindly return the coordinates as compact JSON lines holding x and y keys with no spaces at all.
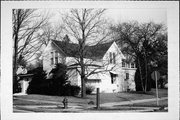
{"x":124,"y":15}
{"x":141,"y":15}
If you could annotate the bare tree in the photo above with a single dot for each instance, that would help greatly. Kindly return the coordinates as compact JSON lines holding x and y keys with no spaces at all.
{"x":26,"y":25}
{"x":50,"y":32}
{"x":139,"y":41}
{"x":85,"y":27}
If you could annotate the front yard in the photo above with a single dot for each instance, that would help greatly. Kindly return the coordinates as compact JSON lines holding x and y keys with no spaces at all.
{"x":35,"y":99}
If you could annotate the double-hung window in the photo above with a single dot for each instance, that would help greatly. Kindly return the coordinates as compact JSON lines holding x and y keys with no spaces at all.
{"x":54,"y":57}
{"x":112,"y":57}
{"x":132,"y":65}
{"x":127,"y":76}
{"x":123,"y":63}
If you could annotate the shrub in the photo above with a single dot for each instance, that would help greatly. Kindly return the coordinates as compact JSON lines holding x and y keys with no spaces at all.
{"x":69,"y":90}
{"x":58,"y":84}
{"x":37,"y":80}
{"x":89,"y":89}
{"x":16,"y":86}
{"x":75,"y":90}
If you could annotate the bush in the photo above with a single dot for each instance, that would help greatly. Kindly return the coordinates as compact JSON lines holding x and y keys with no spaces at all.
{"x":16,"y":86}
{"x":37,"y":81}
{"x":69,"y":90}
{"x":75,"y":90}
{"x":64,"y":90}
{"x":89,"y":89}
{"x":58,"y":84}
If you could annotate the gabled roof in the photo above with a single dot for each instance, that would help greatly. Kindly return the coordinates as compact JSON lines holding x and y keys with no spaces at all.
{"x":93,"y":52}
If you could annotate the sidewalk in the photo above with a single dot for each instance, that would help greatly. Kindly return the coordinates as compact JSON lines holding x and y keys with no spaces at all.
{"x":73,"y":107}
{"x":131,"y":102}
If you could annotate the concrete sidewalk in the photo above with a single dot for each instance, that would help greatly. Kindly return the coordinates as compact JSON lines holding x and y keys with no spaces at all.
{"x":53,"y":106}
{"x":131,"y":102}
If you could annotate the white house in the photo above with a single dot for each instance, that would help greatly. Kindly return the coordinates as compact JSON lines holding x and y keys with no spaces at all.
{"x":110,"y":71}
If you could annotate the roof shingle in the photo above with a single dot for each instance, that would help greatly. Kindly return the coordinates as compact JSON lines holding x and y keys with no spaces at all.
{"x":92,"y":52}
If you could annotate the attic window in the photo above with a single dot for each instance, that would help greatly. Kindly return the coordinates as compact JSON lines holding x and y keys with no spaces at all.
{"x":52,"y":58}
{"x":112,"y":57}
{"x":56,"y":57}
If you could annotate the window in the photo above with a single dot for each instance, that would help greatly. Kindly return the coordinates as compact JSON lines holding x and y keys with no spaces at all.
{"x":56,"y":57}
{"x":132,"y":65}
{"x":127,"y":76}
{"x":112,"y":58}
{"x":123,"y":63}
{"x":113,"y":78}
{"x":52,"y":58}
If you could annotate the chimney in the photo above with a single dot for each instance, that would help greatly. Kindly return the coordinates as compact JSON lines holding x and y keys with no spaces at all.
{"x":66,"y":38}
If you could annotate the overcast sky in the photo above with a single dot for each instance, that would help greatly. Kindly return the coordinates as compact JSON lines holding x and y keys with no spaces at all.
{"x":141,"y":15}
{"x":122,"y":15}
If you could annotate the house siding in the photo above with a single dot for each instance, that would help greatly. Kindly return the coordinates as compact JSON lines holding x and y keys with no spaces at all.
{"x":47,"y":66}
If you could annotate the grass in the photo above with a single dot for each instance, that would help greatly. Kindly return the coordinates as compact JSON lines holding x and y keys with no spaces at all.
{"x":153,"y":104}
{"x":127,"y":96}
{"x":104,"y":98}
{"x":23,"y":102}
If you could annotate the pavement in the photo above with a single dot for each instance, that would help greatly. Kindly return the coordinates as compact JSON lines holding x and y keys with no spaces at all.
{"x":131,"y":102}
{"x":52,"y":106}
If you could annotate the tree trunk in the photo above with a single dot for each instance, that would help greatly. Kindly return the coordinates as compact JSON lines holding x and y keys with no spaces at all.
{"x":140,"y":74}
{"x":146,"y":72}
{"x":82,"y":46}
{"x":15,"y":58}
{"x":15,"y":64}
{"x":83,"y":88}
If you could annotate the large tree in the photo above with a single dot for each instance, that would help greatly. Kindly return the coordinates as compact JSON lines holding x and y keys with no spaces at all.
{"x":26,"y":26}
{"x":85,"y":27}
{"x":143,"y":42}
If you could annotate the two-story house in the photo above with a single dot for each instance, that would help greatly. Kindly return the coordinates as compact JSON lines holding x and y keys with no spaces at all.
{"x":107,"y":67}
